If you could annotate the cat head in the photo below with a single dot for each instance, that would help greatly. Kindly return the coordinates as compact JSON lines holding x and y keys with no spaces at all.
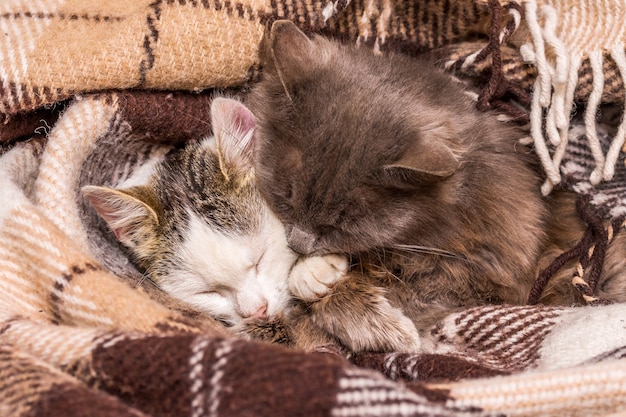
{"x":199,"y":228}
{"x":351,"y":147}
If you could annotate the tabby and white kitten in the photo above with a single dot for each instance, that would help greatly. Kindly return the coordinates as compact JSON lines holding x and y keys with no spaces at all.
{"x":384,"y":158}
{"x":201,"y":231}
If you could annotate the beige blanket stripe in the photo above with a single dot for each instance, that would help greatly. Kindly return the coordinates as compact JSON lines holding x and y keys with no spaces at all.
{"x":54,"y":49}
{"x":72,"y":139}
{"x":578,"y":391}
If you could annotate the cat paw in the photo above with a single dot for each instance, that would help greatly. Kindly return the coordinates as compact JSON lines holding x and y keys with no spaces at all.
{"x":363,"y":320}
{"x":272,"y":331}
{"x":313,"y":277}
{"x":382,"y":328}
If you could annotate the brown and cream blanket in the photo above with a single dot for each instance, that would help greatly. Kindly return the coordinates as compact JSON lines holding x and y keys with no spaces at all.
{"x":90,"y":89}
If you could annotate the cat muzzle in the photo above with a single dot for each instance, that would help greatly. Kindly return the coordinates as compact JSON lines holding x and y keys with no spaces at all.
{"x":301,"y":241}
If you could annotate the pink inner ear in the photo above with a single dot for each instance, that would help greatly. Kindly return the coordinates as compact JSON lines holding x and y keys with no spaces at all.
{"x":121,"y":232}
{"x":244,"y":119}
{"x":108,"y":214}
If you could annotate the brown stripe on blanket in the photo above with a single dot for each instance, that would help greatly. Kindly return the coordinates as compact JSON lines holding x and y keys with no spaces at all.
{"x":424,"y":367}
{"x":201,"y":375}
{"x":150,"y":39}
{"x":507,"y":338}
{"x":32,"y":388}
{"x":168,"y":117}
{"x":410,"y":27}
{"x":239,"y":9}
{"x":18,"y":97}
{"x":61,"y":282}
{"x":307,"y":14}
{"x":97,"y":17}
{"x":523,"y":75}
{"x":28,"y":125}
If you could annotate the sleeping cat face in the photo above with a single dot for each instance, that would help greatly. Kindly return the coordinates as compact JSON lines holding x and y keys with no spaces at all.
{"x":200,"y":229}
{"x":353,"y":148}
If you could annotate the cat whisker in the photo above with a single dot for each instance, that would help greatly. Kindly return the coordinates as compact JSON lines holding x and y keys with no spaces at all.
{"x":145,"y":278}
{"x":197,"y":119}
{"x":428,"y":250}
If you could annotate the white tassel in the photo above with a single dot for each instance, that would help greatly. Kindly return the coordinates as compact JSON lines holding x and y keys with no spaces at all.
{"x":595,"y":59}
{"x":544,"y":87}
{"x":554,"y":88}
{"x":618,"y":142}
{"x":552,"y":171}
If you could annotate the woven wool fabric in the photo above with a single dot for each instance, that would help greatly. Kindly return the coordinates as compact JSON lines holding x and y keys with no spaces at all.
{"x":79,"y":335}
{"x":54,"y":49}
{"x":71,"y":326}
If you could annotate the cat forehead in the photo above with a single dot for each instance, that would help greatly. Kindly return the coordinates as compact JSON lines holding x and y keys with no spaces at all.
{"x":208,"y":244}
{"x":226,"y":255}
{"x":193,"y":182}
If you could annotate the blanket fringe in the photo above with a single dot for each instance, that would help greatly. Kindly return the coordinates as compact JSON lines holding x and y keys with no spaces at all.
{"x":558,"y":59}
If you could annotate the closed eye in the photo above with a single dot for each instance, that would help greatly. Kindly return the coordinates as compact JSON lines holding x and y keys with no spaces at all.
{"x":221,"y":290}
{"x":258,"y":262}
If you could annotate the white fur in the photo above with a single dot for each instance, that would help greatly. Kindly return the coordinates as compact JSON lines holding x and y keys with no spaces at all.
{"x":314,"y":276}
{"x":232,"y":277}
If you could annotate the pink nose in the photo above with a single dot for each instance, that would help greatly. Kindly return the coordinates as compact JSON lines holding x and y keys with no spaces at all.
{"x":261,"y":312}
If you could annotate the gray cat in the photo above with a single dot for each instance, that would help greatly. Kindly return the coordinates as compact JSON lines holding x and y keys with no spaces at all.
{"x":384,"y":159}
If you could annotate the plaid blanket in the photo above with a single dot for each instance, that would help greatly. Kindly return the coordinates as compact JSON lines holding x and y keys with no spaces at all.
{"x":89,"y":91}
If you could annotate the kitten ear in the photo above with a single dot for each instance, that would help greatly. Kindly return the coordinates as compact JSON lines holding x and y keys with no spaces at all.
{"x":290,"y":53}
{"x":124,"y":212}
{"x":233,"y":127}
{"x":423,"y":162}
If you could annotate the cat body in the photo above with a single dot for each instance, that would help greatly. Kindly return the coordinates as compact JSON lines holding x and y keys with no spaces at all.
{"x":384,"y":159}
{"x":200,"y":230}
{"x":385,"y":156}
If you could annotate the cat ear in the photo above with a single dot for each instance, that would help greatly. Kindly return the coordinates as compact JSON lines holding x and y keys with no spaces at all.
{"x":125,"y":213}
{"x":233,"y":126}
{"x":423,"y":162}
{"x":290,"y":53}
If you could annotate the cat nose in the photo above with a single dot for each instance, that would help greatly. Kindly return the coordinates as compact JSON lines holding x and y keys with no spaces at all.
{"x":260,"y":313}
{"x":301,"y":241}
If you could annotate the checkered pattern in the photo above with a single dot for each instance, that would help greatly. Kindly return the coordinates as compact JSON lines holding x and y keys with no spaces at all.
{"x":90,"y":90}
